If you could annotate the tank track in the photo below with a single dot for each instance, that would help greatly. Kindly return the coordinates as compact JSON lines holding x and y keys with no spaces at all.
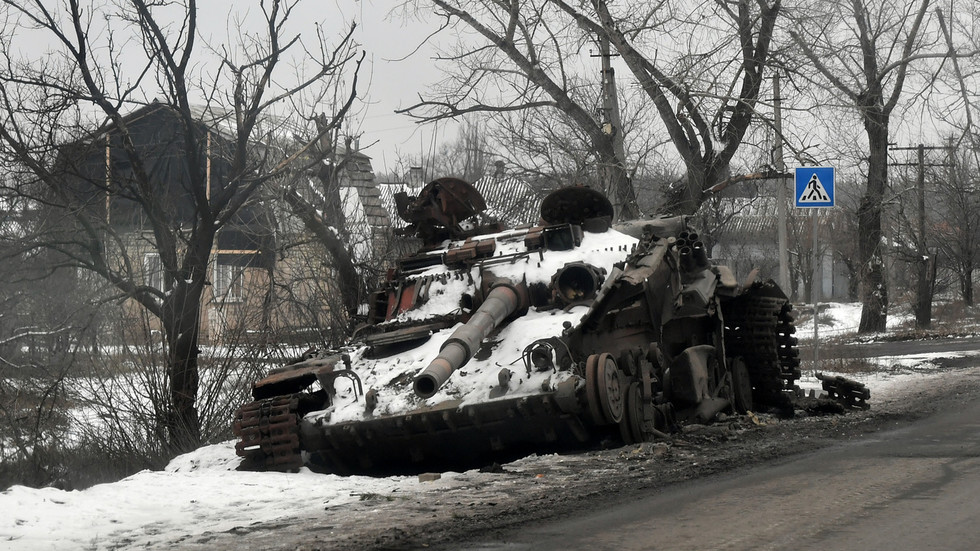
{"x":789,"y":354}
{"x":760,"y":329}
{"x":268,"y":432}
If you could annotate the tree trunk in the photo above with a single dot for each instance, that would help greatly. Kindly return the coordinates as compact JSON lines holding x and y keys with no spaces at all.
{"x":182,"y":329}
{"x":349,"y":282}
{"x":874,"y":292}
{"x":621,"y":191}
{"x":687,"y":198}
{"x":182,"y":324}
{"x":967,"y":284}
{"x":853,"y":285}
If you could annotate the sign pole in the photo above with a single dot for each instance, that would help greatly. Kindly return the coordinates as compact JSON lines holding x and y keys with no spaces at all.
{"x":815,"y":190}
{"x":815,"y":291}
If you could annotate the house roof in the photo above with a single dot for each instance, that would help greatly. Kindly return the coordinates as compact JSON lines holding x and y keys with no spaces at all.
{"x":764,"y":226}
{"x":386,"y":199}
{"x":361,"y":175}
{"x":509,"y":199}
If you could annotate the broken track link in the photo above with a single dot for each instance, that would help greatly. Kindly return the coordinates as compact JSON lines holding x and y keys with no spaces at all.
{"x":760,"y":329}
{"x":268,"y":432}
{"x":852,"y":394}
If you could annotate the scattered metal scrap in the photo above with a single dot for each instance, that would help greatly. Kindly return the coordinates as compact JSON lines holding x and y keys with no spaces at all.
{"x":850,"y":393}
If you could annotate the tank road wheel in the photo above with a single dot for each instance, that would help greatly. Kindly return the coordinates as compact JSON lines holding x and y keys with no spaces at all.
{"x":611,"y":395}
{"x":592,"y":388}
{"x":604,"y":392}
{"x":631,"y":426}
{"x":741,"y":385}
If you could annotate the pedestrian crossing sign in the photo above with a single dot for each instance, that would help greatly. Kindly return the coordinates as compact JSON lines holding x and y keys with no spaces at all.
{"x":814,"y":186}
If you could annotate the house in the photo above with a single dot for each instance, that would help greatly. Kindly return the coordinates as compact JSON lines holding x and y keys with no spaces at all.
{"x":269,"y":280}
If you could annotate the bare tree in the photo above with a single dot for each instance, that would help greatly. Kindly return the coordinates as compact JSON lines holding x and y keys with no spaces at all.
{"x":469,"y":156}
{"x":102,"y":63}
{"x":958,"y":224}
{"x":959,"y":109}
{"x":519,"y":64}
{"x":549,"y":149}
{"x":844,"y":228}
{"x":704,"y":91}
{"x":37,"y":321}
{"x":315,"y":198}
{"x":958,"y":221}
{"x":864,"y":51}
{"x":714,"y":78}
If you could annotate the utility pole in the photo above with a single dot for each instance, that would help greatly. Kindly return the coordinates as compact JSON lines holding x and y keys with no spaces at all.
{"x":923,"y":293}
{"x":621,"y":193}
{"x":782,"y":182}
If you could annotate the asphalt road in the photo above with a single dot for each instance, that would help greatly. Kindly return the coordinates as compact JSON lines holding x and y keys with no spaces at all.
{"x":910,"y":488}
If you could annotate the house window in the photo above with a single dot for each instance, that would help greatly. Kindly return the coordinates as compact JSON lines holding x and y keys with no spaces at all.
{"x":228,"y":282}
{"x":153,"y":270}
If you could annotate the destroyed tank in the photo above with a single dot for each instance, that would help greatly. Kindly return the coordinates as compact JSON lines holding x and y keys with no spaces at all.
{"x":489,"y":344}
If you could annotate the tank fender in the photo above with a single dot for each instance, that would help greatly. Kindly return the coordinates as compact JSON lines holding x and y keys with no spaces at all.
{"x":295,"y":377}
{"x":662,"y":227}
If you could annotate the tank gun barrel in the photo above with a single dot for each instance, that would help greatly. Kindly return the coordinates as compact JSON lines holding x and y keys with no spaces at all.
{"x":504,"y":299}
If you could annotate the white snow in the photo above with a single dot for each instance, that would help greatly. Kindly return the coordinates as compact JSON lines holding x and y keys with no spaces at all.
{"x":197,"y":493}
{"x":842,"y":318}
{"x":391,"y":376}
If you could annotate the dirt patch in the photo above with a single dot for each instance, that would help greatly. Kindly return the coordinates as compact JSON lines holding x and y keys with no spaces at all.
{"x":464,"y":506}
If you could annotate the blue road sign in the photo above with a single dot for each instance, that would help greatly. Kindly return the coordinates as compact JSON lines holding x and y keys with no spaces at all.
{"x":814,"y":187}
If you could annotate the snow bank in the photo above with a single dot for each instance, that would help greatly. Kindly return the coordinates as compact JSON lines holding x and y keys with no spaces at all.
{"x":197,"y":494}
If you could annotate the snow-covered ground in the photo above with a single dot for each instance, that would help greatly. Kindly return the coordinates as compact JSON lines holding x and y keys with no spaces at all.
{"x":841,"y":318}
{"x":200,"y":493}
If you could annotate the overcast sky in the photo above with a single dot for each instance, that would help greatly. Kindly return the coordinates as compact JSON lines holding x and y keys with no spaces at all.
{"x":398,"y":67}
{"x":394,"y":75}
{"x":395,"y":70}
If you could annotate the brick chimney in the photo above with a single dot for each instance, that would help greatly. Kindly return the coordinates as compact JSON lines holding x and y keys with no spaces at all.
{"x":498,"y":169}
{"x":415,"y":177}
